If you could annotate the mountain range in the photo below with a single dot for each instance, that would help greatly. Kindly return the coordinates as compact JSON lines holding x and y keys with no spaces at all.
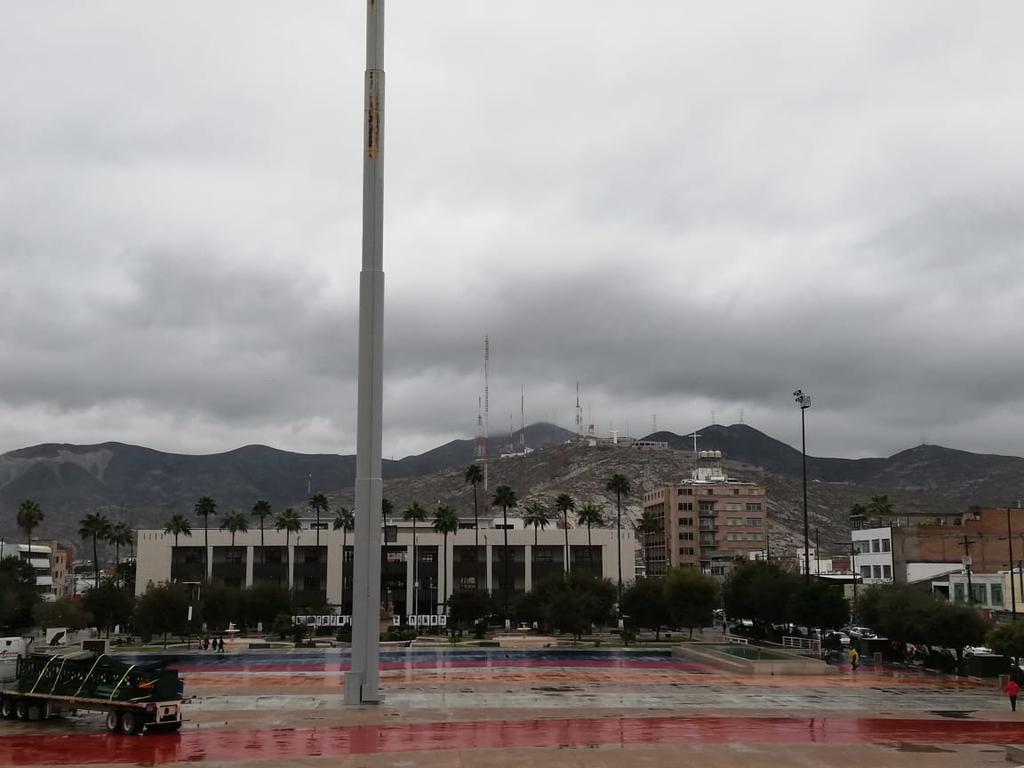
{"x":144,"y":486}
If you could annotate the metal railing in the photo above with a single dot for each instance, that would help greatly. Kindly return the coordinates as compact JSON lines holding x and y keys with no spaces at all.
{"x":806,"y":644}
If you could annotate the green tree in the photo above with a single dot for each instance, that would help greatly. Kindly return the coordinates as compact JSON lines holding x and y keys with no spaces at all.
{"x":261,"y":510}
{"x":109,"y":605}
{"x":289,"y":522}
{"x":318,"y":503}
{"x":589,"y":514}
{"x":206,"y":508}
{"x":536,"y":516}
{"x":505,"y":498}
{"x":858,"y":513}
{"x":956,"y":626}
{"x":120,"y":535}
{"x":445,"y":522}
{"x":65,"y":612}
{"x":818,"y":605}
{"x":648,"y":525}
{"x":897,"y":611}
{"x":417,"y":514}
{"x":162,"y":610}
{"x":30,"y":515}
{"x":644,"y":604}
{"x":178,"y":525}
{"x":262,"y":603}
{"x":564,"y":503}
{"x":467,"y":607}
{"x":18,"y":594}
{"x":473,"y":476}
{"x":387,"y":509}
{"x":880,"y":506}
{"x":619,"y":485}
{"x":691,"y":598}
{"x":235,"y":521}
{"x":220,"y":606}
{"x":761,"y":592}
{"x":1008,"y":639}
{"x":94,"y":526}
{"x":567,"y":612}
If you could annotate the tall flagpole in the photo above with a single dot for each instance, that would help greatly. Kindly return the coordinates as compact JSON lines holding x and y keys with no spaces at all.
{"x":363,"y":681}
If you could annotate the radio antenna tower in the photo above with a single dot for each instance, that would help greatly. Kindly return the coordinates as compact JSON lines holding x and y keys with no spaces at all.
{"x":481,"y":441}
{"x":487,"y":406}
{"x":522,"y":417}
{"x":579,"y":415}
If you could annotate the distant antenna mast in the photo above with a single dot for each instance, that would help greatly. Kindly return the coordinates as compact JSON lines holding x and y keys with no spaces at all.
{"x":590,"y":421}
{"x":579,"y":415}
{"x":511,"y":436}
{"x":487,"y":405}
{"x":522,"y":417}
{"x":481,"y":440}
{"x":712,"y":418}
{"x":654,"y":422}
{"x":741,"y":415}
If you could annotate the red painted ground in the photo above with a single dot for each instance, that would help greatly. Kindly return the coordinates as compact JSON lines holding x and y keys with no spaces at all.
{"x":85,"y":749}
{"x":339,"y":666}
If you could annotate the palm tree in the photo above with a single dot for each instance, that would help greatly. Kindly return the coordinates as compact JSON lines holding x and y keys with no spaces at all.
{"x":120,"y":535}
{"x":95,"y":526}
{"x":206,"y":507}
{"x":589,"y":514}
{"x":505,"y":498}
{"x":289,"y":522}
{"x":387,"y":509}
{"x":474,"y":476}
{"x":536,"y":515}
{"x":30,"y":515}
{"x":344,"y":521}
{"x":880,"y":506}
{"x":649,"y":524}
{"x":417,"y":514}
{"x":235,"y":521}
{"x":619,"y":485}
{"x":319,"y":504}
{"x":261,"y":511}
{"x":563,"y":503}
{"x":445,"y":522}
{"x":178,"y":524}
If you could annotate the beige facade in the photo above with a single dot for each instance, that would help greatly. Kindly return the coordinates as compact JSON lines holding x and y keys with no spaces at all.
{"x":323,"y":574}
{"x":707,"y":521}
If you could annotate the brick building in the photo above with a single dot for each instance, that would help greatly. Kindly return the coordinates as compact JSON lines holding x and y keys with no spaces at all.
{"x":707,"y":521}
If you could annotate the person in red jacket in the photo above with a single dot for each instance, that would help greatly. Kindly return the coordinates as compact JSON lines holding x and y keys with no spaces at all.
{"x":1012,"y":689}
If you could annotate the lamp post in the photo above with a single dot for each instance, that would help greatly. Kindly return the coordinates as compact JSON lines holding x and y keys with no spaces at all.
{"x":1009,"y":544}
{"x":804,"y":401}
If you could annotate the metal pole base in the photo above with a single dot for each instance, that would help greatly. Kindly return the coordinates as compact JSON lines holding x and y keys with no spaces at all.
{"x":355,"y":696}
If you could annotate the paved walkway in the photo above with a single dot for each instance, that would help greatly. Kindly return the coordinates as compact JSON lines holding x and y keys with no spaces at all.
{"x":544,"y":709}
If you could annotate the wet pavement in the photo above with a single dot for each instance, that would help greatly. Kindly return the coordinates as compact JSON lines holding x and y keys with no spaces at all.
{"x":542,"y":708}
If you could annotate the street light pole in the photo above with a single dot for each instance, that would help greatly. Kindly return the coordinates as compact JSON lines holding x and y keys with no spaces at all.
{"x":804,"y":401}
{"x":1013,"y":588}
{"x":363,"y":680}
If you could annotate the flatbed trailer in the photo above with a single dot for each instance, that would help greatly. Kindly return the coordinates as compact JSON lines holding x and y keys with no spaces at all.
{"x":135,"y":698}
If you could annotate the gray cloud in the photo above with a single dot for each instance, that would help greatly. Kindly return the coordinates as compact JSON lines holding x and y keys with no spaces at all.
{"x":688,"y":209}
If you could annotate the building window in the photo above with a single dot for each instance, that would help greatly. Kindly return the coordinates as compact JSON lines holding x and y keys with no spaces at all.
{"x":734,"y":521}
{"x":734,"y":537}
{"x":735,"y":491}
{"x":426,"y":555}
{"x":878,"y":571}
{"x":311,"y":583}
{"x":959,"y":593}
{"x":686,"y":550}
{"x":193,"y":556}
{"x":233,"y":555}
{"x":997,"y":595}
{"x":733,"y":507}
{"x":467,"y":555}
{"x":887,"y":572}
{"x":753,"y":537}
{"x":467,"y":583}
{"x":686,"y":521}
{"x":978,"y":593}
{"x":709,"y":492}
{"x":865,"y":571}
{"x":753,"y":506}
{"x":707,"y":506}
{"x":685,"y":506}
{"x":543,"y":554}
{"x":686,"y":536}
{"x":349,"y":554}
{"x":754,"y":522}
{"x":886,"y":545}
{"x":686,"y":492}
{"x":311,"y":556}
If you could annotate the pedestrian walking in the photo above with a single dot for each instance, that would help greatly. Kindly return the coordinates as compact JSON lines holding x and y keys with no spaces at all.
{"x":854,"y":659}
{"x":1012,"y":689}
{"x":220,"y":645}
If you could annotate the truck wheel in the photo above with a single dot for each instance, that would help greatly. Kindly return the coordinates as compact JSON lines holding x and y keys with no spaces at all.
{"x":113,"y":722}
{"x":21,"y":709}
{"x":34,"y":712}
{"x":7,"y":708}
{"x":131,"y":723}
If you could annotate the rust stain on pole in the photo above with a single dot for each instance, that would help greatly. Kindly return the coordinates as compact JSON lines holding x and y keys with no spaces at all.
{"x":373,"y":118}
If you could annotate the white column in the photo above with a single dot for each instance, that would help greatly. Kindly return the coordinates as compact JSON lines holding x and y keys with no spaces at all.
{"x":291,"y":566}
{"x":529,"y":567}
{"x":249,"y":550}
{"x":410,"y":576}
{"x":489,"y":576}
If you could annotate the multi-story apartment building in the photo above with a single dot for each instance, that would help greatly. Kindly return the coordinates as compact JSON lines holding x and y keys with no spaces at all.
{"x":415,"y":581}
{"x":39,"y":557}
{"x":707,"y":521}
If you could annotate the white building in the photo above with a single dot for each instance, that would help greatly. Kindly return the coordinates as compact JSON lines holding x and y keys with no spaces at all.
{"x":39,"y":557}
{"x":322,"y":575}
{"x":872,"y":555}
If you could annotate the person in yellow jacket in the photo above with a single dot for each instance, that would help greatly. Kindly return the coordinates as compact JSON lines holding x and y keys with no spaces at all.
{"x":854,"y":658}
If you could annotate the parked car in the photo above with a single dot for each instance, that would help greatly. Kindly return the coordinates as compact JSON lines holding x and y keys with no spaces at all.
{"x":861,"y":632}
{"x":832,"y":638}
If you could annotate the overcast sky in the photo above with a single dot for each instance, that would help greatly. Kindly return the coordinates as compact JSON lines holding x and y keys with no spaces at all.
{"x":688,"y":207}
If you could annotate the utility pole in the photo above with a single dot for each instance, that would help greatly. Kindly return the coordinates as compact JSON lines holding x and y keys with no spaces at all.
{"x":1009,"y":544}
{"x":362,"y":682}
{"x":967,"y":565}
{"x":804,"y":401}
{"x":817,"y":553}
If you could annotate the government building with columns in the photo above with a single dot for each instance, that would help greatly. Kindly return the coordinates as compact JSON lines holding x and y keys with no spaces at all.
{"x":320,"y":576}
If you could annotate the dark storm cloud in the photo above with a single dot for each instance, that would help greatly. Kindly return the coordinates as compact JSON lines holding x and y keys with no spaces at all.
{"x":688,"y":209}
